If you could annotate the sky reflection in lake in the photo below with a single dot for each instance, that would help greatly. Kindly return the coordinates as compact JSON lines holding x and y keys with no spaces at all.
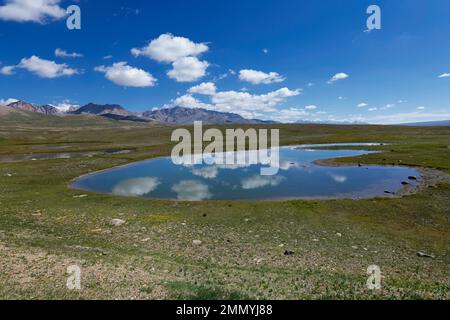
{"x":298,"y":177}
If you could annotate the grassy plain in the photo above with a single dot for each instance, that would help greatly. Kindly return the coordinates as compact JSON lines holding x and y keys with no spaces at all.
{"x":45,"y":226}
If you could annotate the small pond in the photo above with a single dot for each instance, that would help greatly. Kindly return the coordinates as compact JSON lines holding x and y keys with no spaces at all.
{"x":298,"y":178}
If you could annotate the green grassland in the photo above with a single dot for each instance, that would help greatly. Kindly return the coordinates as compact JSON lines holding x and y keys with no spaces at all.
{"x":46,"y":227}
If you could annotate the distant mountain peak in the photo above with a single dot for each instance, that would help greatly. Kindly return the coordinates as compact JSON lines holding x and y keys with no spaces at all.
{"x":185,"y":116}
{"x":26,"y":106}
{"x":103,"y":109}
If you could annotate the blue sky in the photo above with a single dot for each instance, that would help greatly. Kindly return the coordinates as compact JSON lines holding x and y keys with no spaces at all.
{"x":262,"y":59}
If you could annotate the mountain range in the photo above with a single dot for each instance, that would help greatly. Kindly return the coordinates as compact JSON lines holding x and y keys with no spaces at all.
{"x":179,"y":115}
{"x":174,"y":116}
{"x":25,"y":106}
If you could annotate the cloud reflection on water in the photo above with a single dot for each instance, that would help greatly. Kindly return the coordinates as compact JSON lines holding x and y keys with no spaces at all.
{"x":191,"y":190}
{"x":136,"y":187}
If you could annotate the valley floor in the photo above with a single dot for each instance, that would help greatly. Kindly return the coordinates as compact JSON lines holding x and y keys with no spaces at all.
{"x":46,"y":227}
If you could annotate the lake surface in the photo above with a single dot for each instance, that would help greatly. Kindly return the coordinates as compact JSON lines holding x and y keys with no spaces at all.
{"x":298,"y":178}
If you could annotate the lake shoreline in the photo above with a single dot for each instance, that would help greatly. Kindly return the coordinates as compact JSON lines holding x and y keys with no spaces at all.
{"x":430,"y":177}
{"x":426,"y":177}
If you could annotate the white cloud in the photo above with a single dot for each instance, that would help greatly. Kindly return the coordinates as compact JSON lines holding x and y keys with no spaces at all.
{"x":4,"y":102}
{"x":190,"y":190}
{"x":372,"y":109}
{"x":179,"y":51}
{"x":188,"y":101}
{"x":205,"y":88}
{"x":266,"y":51}
{"x":40,"y":11}
{"x":312,"y":107}
{"x":338,"y":76}
{"x":444,"y":75}
{"x":259,"y":77}
{"x":242,"y":103}
{"x":258,"y":182}
{"x":421,"y":108}
{"x":46,"y":68}
{"x":188,"y":69}
{"x":168,"y":48}
{"x":7,"y":70}
{"x":64,"y":54}
{"x":362,"y":105}
{"x":136,"y":187}
{"x":124,"y":75}
{"x":233,"y":101}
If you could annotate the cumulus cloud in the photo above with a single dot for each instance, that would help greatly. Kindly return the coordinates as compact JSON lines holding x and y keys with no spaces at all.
{"x":444,"y":75}
{"x":372,"y":109}
{"x":258,"y":182}
{"x":181,"y":52}
{"x":188,"y":101}
{"x":362,"y":105}
{"x":311,"y":107}
{"x":206,"y":88}
{"x":168,"y":48}
{"x":233,"y":101}
{"x":338,"y":76}
{"x":421,"y":108}
{"x":122,"y":74}
{"x":191,"y":190}
{"x":242,"y":103}
{"x":259,"y":77}
{"x":46,"y":68}
{"x":136,"y":187}
{"x":7,"y":70}
{"x":188,"y":69}
{"x":64,"y":54}
{"x":39,"y":11}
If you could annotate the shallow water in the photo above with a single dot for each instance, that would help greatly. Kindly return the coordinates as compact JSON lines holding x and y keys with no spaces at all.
{"x":49,"y":147}
{"x":52,"y":156}
{"x":298,"y":178}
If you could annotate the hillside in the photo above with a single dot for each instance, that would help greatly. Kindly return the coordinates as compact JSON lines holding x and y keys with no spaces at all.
{"x":429,"y":124}
{"x":180,"y":115}
{"x":10,"y":117}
